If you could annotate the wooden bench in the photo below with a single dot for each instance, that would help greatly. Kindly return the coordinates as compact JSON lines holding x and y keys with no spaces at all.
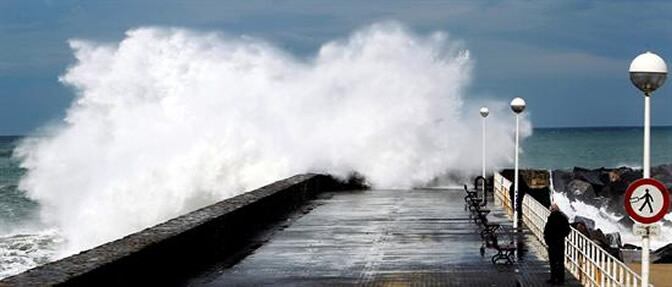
{"x":489,"y":231}
{"x":471,"y":194}
{"x":505,"y":252}
{"x":471,"y":200}
{"x":480,"y":215}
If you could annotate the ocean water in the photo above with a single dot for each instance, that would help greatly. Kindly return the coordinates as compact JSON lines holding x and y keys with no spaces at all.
{"x":15,"y":209}
{"x":25,"y":242}
{"x":565,"y":148}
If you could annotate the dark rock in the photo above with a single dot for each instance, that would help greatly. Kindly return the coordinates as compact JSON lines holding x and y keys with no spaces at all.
{"x":662,"y":173}
{"x":541,"y":195}
{"x":594,"y":177}
{"x":626,"y":221}
{"x":599,"y":237}
{"x":605,"y":182}
{"x":583,"y":191}
{"x":614,"y":239}
{"x":603,"y":241}
{"x":614,"y":175}
{"x":581,"y":227}
{"x":561,"y":179}
{"x":629,"y":175}
{"x":608,"y":185}
{"x":610,"y":242}
{"x":536,"y":179}
{"x":579,"y":189}
{"x":589,"y":223}
{"x":614,"y":189}
{"x":664,"y":254}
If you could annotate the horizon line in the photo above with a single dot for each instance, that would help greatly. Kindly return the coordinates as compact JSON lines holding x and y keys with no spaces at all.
{"x":600,"y":127}
{"x":536,"y":128}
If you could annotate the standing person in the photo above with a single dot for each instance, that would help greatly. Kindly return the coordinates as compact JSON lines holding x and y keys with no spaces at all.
{"x":555,"y":231}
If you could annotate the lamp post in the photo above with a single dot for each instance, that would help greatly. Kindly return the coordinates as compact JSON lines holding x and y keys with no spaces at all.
{"x":648,"y":72}
{"x":517,"y":106}
{"x":484,"y":113}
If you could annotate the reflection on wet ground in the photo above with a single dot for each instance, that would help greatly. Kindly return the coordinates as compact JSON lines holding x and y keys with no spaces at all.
{"x":383,"y":238}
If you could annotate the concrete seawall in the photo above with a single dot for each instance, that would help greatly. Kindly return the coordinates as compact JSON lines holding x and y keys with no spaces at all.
{"x":168,"y":253}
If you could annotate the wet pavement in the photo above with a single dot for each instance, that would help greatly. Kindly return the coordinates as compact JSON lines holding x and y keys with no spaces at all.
{"x":383,"y":238}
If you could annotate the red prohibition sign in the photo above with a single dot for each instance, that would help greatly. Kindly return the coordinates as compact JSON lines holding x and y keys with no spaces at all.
{"x":628,"y":203}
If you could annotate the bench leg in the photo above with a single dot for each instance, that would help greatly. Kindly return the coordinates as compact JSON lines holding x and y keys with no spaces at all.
{"x":495,"y":258}
{"x":510,"y":257}
{"x":503,"y":255}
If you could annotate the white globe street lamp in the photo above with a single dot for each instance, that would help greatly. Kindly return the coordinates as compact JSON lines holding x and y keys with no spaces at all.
{"x":648,"y":72}
{"x":484,"y":113}
{"x":517,"y":106}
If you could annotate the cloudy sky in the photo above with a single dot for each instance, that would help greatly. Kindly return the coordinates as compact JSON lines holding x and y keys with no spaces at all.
{"x":568,"y":59}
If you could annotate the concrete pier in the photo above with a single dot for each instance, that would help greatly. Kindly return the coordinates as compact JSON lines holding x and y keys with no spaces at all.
{"x":382,"y":238}
{"x":307,"y":231}
{"x":171,"y":252}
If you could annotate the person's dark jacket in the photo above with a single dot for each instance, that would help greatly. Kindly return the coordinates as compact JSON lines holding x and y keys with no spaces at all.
{"x":556,"y":229}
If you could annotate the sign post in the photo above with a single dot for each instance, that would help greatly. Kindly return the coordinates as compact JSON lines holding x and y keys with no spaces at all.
{"x":648,"y":72}
{"x":646,"y":201}
{"x":517,"y":106}
{"x":484,"y":114}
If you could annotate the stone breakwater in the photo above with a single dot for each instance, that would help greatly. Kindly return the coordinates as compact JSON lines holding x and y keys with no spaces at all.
{"x":169,"y":252}
{"x":603,"y":188}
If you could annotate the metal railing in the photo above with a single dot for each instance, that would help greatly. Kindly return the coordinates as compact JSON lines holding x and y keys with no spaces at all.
{"x":501,"y":190}
{"x":534,"y":216}
{"x":587,"y":261}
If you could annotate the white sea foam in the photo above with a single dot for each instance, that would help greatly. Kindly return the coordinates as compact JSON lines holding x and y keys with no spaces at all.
{"x":169,"y":120}
{"x":19,"y":252}
{"x":608,"y":221}
{"x":635,"y":166}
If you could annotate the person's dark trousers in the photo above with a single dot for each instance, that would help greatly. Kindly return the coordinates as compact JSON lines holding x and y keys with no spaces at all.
{"x":556,"y":258}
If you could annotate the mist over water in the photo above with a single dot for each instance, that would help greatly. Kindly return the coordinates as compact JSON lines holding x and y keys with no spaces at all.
{"x":170,"y":120}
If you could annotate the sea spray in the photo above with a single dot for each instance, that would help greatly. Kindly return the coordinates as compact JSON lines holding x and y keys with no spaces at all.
{"x":169,"y":120}
{"x":26,"y":250}
{"x":608,"y":221}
